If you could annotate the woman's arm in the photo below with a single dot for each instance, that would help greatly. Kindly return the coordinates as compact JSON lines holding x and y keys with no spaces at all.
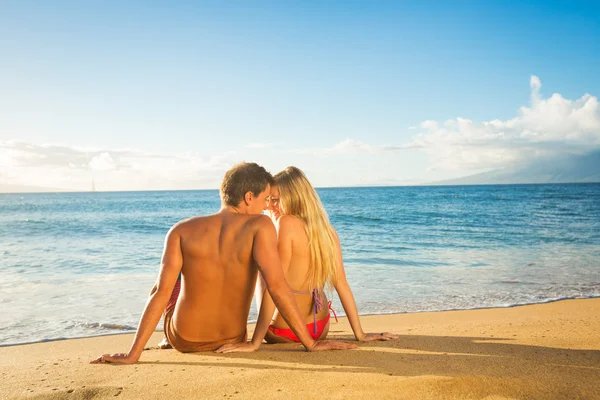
{"x":172,"y":261}
{"x":349,"y":304}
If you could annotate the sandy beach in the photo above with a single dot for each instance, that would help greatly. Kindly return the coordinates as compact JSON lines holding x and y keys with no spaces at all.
{"x":546,"y":351}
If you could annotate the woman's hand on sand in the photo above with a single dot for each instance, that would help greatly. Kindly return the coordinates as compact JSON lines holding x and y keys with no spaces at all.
{"x":322,"y":345}
{"x":117,"y":358}
{"x":383,"y":336}
{"x":247,"y":347}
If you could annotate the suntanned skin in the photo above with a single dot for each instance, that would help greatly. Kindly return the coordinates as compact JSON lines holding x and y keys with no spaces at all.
{"x":295,"y":260}
{"x":219,"y":257}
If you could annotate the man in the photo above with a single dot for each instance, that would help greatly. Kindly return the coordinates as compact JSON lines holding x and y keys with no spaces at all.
{"x":219,"y":257}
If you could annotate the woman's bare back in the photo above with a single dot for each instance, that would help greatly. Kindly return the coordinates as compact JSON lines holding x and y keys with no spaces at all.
{"x":293,"y":251}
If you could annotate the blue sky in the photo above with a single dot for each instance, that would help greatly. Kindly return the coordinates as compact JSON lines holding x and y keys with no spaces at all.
{"x":151,"y":95}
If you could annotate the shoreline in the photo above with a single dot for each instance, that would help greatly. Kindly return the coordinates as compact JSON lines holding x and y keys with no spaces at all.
{"x":252,"y":322}
{"x":541,"y":351}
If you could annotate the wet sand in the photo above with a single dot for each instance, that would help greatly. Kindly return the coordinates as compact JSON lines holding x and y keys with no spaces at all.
{"x":546,"y":351}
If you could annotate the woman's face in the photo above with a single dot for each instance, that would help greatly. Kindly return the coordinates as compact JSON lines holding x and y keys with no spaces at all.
{"x":273,"y":206}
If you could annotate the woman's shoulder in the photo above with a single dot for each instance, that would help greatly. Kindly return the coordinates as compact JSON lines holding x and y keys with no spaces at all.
{"x":291,"y":222}
{"x":291,"y":226}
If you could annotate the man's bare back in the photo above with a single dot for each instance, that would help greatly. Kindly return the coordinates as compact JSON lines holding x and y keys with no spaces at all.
{"x":218,"y":275}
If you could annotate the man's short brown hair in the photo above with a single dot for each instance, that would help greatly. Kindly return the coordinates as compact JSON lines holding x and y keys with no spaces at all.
{"x":241,"y":179}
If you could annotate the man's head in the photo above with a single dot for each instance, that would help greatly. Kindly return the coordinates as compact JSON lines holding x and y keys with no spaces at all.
{"x":244,"y":185}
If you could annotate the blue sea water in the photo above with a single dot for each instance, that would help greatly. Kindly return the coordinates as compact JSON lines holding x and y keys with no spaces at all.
{"x":81,"y":264}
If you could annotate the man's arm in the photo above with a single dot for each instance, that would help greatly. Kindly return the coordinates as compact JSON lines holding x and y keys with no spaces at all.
{"x":172,"y":261}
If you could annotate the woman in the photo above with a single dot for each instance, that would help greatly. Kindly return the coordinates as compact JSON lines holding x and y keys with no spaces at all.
{"x":311,"y":257}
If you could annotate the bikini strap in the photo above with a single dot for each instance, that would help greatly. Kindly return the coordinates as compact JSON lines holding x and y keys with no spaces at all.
{"x":317,"y":307}
{"x":298,"y":292}
{"x":333,"y":311}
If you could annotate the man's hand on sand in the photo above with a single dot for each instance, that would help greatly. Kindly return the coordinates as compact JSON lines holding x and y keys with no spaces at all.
{"x":322,"y":345}
{"x":118,"y":358}
{"x":383,"y":336}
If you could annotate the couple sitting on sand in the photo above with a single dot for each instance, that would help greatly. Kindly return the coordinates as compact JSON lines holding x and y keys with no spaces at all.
{"x":212,"y":262}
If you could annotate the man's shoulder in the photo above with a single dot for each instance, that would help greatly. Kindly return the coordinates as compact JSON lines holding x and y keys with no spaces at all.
{"x":261,"y":220}
{"x":192,"y":222}
{"x":215,"y":221}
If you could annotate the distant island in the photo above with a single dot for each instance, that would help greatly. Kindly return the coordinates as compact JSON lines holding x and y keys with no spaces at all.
{"x":10,"y":188}
{"x":558,"y":169}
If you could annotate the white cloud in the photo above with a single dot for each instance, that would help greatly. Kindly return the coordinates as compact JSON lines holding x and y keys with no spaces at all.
{"x":535,"y":84}
{"x":548,"y":126}
{"x":65,"y":167}
{"x":102,"y":162}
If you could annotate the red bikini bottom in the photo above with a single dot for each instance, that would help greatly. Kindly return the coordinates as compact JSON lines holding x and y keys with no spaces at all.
{"x":315,"y":333}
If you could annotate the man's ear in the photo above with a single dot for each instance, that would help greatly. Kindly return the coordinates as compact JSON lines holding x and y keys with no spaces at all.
{"x":248,"y":198}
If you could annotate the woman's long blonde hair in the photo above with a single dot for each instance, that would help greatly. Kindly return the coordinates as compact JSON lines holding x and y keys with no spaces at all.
{"x":297,"y":197}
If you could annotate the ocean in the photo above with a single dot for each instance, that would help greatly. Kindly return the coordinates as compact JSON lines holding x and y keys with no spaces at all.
{"x":82,"y":264}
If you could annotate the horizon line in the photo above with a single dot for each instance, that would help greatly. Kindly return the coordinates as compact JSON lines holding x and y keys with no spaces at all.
{"x":363,"y":186}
